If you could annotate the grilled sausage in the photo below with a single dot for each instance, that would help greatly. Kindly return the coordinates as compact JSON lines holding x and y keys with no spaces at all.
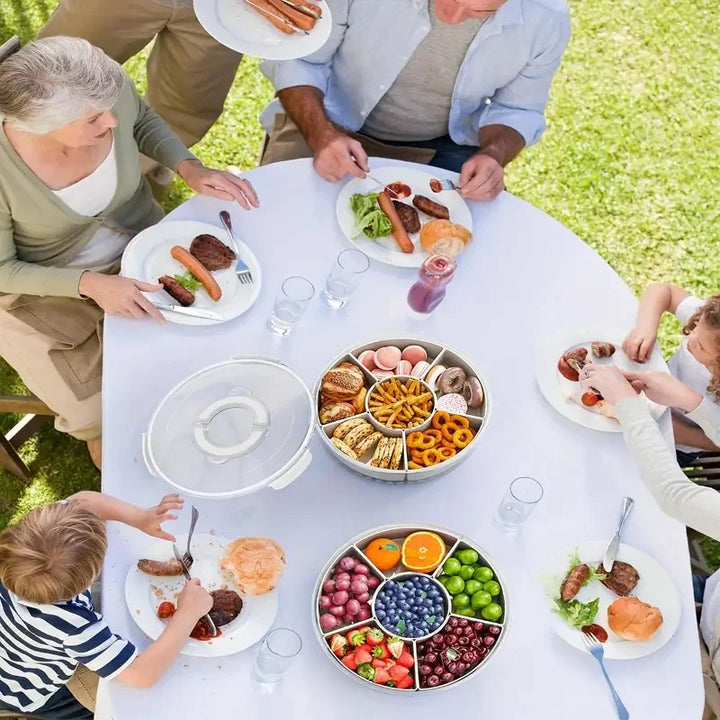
{"x":176,"y":291}
{"x":398,"y":230}
{"x":161,"y":568}
{"x":198,"y":270}
{"x":309,"y":7}
{"x":297,"y":18}
{"x":264,"y":8}
{"x":573,"y":582}
{"x":430,"y":207}
{"x":602,"y":349}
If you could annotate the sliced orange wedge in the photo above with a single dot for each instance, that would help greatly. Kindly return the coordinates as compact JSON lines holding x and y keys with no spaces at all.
{"x":422,"y":551}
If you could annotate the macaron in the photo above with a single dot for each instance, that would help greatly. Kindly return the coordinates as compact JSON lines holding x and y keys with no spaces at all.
{"x":367,"y":358}
{"x":382,"y":374}
{"x":387,"y":358}
{"x":452,"y":403}
{"x":432,"y":377}
{"x":414,"y":354}
{"x":403,"y":368}
{"x":420,"y":370}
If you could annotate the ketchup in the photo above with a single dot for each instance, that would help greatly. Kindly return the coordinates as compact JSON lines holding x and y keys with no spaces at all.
{"x":597,"y":631}
{"x":398,"y":190}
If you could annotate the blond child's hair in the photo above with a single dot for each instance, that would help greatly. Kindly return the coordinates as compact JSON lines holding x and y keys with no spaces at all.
{"x":710,"y":313}
{"x":53,"y":553}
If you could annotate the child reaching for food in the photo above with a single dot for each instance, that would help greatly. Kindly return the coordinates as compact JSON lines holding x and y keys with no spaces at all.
{"x":697,"y":361}
{"x":48,"y":626}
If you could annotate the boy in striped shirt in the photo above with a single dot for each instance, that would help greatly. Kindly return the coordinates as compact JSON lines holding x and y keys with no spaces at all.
{"x":48,"y":627}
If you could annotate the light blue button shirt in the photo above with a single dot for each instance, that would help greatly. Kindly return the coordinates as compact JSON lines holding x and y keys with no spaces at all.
{"x":504,"y":79}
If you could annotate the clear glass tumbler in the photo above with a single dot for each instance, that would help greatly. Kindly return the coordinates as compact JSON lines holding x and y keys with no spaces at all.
{"x":520,"y":499}
{"x":276,"y":655}
{"x":290,"y":303}
{"x":344,"y":277}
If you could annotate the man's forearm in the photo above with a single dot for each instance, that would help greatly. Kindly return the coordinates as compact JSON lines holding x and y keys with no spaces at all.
{"x":306,"y":108}
{"x":107,"y":507}
{"x":500,"y":142}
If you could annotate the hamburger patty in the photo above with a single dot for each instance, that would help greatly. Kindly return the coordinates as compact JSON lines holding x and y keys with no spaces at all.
{"x":408,"y":216}
{"x":623,"y":578}
{"x":213,"y":254}
{"x":227,"y":605}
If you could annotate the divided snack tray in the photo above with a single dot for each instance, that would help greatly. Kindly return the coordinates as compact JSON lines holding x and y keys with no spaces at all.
{"x":453,"y":543}
{"x":437,"y":354}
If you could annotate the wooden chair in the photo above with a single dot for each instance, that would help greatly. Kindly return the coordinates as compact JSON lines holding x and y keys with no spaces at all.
{"x":9,"y":47}
{"x":705,"y":470}
{"x":36,"y":414}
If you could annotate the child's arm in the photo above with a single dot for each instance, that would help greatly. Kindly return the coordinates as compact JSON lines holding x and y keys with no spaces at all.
{"x":150,"y":665}
{"x":148,"y":520}
{"x":657,"y":299}
{"x":694,"y":436}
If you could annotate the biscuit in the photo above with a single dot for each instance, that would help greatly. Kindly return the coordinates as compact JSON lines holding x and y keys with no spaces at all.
{"x":368,"y":443}
{"x":344,"y":428}
{"x":343,"y":448}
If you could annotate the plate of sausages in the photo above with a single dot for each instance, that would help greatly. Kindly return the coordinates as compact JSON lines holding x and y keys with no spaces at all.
{"x":422,"y":218}
{"x":189,"y":252}
{"x":271,"y":29}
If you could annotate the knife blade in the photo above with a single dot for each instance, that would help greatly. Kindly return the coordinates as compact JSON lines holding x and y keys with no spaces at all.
{"x":612,"y":548}
{"x":190,"y":311}
{"x":187,"y":575}
{"x":279,"y":18}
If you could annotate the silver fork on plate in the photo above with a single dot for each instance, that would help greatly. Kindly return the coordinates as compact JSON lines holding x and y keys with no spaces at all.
{"x":188,"y":559}
{"x":448,"y":185}
{"x":185,"y":572}
{"x":595,"y":648}
{"x":242,"y":271}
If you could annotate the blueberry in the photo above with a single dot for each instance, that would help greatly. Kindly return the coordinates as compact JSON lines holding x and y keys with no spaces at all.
{"x":433,"y":593}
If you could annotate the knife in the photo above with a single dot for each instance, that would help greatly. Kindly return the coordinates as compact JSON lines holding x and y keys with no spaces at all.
{"x":281,"y":19}
{"x":303,"y":9}
{"x":612,"y":548}
{"x":191,"y":311}
{"x":179,"y":558}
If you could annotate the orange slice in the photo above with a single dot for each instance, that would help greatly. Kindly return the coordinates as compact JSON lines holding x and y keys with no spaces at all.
{"x":383,"y":553}
{"x":423,"y":551}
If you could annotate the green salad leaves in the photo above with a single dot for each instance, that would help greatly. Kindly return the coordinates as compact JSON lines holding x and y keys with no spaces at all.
{"x":577,"y":613}
{"x":370,"y":219}
{"x":189,"y":282}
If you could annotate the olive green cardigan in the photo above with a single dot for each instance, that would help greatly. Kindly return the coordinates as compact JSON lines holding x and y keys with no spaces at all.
{"x":40,"y":235}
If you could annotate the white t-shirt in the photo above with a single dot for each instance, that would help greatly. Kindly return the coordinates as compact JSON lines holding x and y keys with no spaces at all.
{"x":685,"y":367}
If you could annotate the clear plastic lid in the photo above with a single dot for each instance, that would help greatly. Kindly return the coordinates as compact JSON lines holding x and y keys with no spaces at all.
{"x":231,"y":428}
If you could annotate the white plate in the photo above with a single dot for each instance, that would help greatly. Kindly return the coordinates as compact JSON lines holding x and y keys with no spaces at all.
{"x":241,"y":28}
{"x":558,"y":390}
{"x":385,"y":249}
{"x":147,"y":257}
{"x":144,"y":593}
{"x":655,"y":587}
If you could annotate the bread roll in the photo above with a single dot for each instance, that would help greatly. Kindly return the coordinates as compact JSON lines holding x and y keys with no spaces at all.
{"x":254,"y":563}
{"x":332,"y":411}
{"x":343,"y":382}
{"x":443,"y":236}
{"x":632,"y":619}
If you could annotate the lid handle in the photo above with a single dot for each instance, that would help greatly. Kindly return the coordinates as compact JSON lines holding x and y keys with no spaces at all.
{"x":302,"y":464}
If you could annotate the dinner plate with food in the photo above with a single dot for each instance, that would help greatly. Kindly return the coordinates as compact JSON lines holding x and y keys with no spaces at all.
{"x":241,"y":575}
{"x":403,"y":221}
{"x":271,"y":29}
{"x":559,"y":360}
{"x":633,"y":610}
{"x":196,"y":269}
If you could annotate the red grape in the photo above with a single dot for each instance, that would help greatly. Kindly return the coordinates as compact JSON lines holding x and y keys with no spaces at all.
{"x":431,"y":658}
{"x":337,"y":610}
{"x":448,"y":677}
{"x":372,"y":582}
{"x":328,"y":622}
{"x":363,"y":598}
{"x":325,"y":602}
{"x":352,"y":607}
{"x":340,"y":597}
{"x":425,"y":670}
{"x":488,"y":641}
{"x":347,"y":563}
{"x":329,"y":586}
{"x":364,"y":613}
{"x":433,"y":680}
{"x":343,"y":585}
{"x":361,"y":569}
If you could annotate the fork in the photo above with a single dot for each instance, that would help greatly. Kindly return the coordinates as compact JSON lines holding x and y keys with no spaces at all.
{"x":448,"y":185}
{"x":185,"y":572}
{"x":595,"y":648}
{"x":187,"y":557}
{"x":242,"y":271}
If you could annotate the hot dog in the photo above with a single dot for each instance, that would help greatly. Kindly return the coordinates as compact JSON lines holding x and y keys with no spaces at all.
{"x":306,"y":7}
{"x":161,"y":568}
{"x":297,"y":18}
{"x":264,"y":8}
{"x":398,"y":229}
{"x":198,"y":270}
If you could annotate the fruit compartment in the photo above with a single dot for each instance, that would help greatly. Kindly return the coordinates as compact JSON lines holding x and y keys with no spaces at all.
{"x":432,"y":349}
{"x":450,"y":358}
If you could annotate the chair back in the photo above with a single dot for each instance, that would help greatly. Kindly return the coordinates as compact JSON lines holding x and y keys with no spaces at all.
{"x":9,"y":47}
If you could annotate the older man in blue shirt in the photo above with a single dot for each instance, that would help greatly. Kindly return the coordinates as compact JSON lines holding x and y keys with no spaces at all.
{"x":461,"y":84}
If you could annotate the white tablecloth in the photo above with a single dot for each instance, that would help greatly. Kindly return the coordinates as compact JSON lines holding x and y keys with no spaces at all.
{"x":524,"y":274}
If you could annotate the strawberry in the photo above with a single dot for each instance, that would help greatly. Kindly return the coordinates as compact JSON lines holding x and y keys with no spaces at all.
{"x":362,"y":657}
{"x":350,"y":662}
{"x":395,"y":646}
{"x":356,"y":637}
{"x":381,"y":676}
{"x":338,"y":645}
{"x":374,"y":637}
{"x":378,"y":663}
{"x":398,"y":672}
{"x":365,"y":647}
{"x":405,"y":683}
{"x":406,"y":659}
{"x":380,"y":651}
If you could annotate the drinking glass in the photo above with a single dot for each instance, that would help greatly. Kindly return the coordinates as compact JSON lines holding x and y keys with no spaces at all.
{"x":290,"y":303}
{"x":276,"y":655}
{"x":520,"y":499}
{"x":344,"y":277}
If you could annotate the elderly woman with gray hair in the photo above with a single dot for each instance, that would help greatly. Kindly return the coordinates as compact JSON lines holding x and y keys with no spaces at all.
{"x":72,"y":195}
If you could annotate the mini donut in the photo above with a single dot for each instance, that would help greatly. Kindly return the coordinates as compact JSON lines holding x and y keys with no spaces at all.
{"x":473,"y":392}
{"x":432,"y":377}
{"x":383,"y":374}
{"x":452,"y":380}
{"x":414,"y":354}
{"x":367,"y":358}
{"x":403,"y":368}
{"x":420,"y":370}
{"x":452,"y":403}
{"x":387,"y":358}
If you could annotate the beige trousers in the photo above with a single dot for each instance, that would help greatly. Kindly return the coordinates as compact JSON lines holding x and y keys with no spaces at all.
{"x":189,"y":72}
{"x":84,"y":686}
{"x":27,"y":351}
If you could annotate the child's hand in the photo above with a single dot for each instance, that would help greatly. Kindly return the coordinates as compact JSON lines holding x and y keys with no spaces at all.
{"x":639,"y":343}
{"x":150,"y":519}
{"x":664,"y":389}
{"x":194,"y":599}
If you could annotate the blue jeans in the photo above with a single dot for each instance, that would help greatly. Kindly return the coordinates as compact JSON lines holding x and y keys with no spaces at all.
{"x":61,"y":706}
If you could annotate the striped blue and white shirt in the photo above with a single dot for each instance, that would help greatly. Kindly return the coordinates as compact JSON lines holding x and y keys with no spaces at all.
{"x":42,"y":645}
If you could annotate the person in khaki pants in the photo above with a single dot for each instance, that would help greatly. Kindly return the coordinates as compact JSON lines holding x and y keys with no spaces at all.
{"x":189,"y":72}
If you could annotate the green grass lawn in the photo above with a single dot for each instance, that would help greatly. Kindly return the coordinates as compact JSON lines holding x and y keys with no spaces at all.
{"x":630,"y":162}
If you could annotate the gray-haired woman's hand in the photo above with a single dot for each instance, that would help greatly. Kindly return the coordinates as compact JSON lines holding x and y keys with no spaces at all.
{"x":217,"y":183}
{"x":120,"y":295}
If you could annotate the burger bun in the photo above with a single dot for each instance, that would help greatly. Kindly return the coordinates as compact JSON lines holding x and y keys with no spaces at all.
{"x":632,"y":619}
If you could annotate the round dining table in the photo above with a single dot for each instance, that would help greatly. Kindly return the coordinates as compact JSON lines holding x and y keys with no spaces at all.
{"x":523,"y":276}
